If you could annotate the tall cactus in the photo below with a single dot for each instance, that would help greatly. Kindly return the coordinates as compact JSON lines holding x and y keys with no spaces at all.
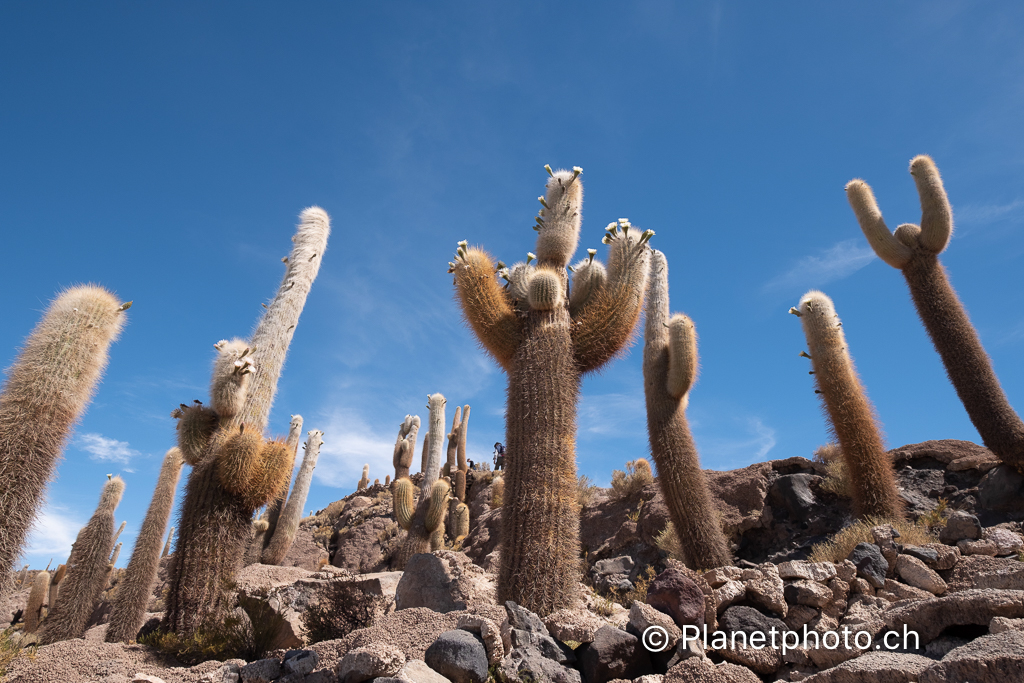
{"x":46,"y":391}
{"x":275,"y":506}
{"x":234,"y":471}
{"x":851,"y":416}
{"x":87,"y":571}
{"x":914,"y":250}
{"x":546,"y":343}
{"x":364,"y":480}
{"x":670,"y":368}
{"x":291,"y":515}
{"x":37,"y":600}
{"x":136,"y":586}
{"x":458,"y":469}
{"x":424,"y":523}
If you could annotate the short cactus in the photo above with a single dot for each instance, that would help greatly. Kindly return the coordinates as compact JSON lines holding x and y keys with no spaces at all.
{"x":235,"y":472}
{"x":136,"y":586}
{"x":914,"y":250}
{"x":38,"y":600}
{"x":364,"y":480}
{"x":275,"y":506}
{"x":46,"y":391}
{"x":291,"y":515}
{"x":87,"y":578}
{"x":457,"y":465}
{"x":851,"y":416}
{"x":670,"y":367}
{"x":546,"y":348}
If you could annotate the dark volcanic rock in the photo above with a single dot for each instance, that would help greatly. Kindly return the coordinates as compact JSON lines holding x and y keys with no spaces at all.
{"x":614,"y":654}
{"x":673,"y":593}
{"x":458,"y":656}
{"x":871,"y":564}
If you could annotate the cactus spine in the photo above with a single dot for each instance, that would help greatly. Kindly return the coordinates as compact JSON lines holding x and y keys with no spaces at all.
{"x":291,"y":515}
{"x":87,"y":574}
{"x":545,"y":352}
{"x":914,"y":250}
{"x":670,"y":367}
{"x":850,"y":414}
{"x":38,"y":599}
{"x":136,"y":586}
{"x":274,"y":507}
{"x":233,"y":475}
{"x":46,"y":391}
{"x":424,"y":524}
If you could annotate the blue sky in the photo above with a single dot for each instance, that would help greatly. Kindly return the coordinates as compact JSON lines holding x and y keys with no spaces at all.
{"x":164,"y":150}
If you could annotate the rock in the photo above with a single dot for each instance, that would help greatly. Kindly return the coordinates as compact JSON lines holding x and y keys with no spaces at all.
{"x":642,"y":617}
{"x":459,"y":656}
{"x":740,"y":495}
{"x":358,"y":549}
{"x":1001,"y":624}
{"x":979,"y":571}
{"x":372,"y":661}
{"x":875,"y":667}
{"x":300,"y":662}
{"x":528,"y":665}
{"x":960,"y":525}
{"x":927,"y":555}
{"x":488,"y":631}
{"x":718,"y":576}
{"x":928,"y":618}
{"x":544,"y":643}
{"x":812,"y":571}
{"x":808,"y":593}
{"x":443,"y":581}
{"x":862,"y":587}
{"x":871,"y":564}
{"x":378,"y":583}
{"x":261,"y":671}
{"x":613,"y":573}
{"x":523,"y":619}
{"x":758,"y":655}
{"x":1007,"y":542}
{"x":613,"y":654}
{"x":948,"y":555}
{"x":792,"y":493}
{"x":702,"y":670}
{"x":800,"y":615}
{"x":578,"y":625}
{"x":894,"y":590}
{"x":845,"y":570}
{"x":417,"y":671}
{"x":994,"y":658}
{"x":917,"y":574}
{"x":885,"y":536}
{"x":1000,"y":488}
{"x":764,"y":587}
{"x":982,"y":463}
{"x":146,"y":678}
{"x":729,"y":594}
{"x":677,"y":595}
{"x":979,"y":547}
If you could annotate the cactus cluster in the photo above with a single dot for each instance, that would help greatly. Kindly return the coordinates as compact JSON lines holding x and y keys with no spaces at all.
{"x":546,"y":333}
{"x":457,"y":470}
{"x":46,"y":391}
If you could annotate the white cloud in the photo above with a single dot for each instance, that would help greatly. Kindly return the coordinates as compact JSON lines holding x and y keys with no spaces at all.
{"x":838,"y":261}
{"x":349,"y":443}
{"x":53,"y":532}
{"x":614,"y":414}
{"x":986,"y":213}
{"x":102,"y":449}
{"x":749,"y":440}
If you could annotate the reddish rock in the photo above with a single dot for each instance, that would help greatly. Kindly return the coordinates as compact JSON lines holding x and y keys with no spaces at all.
{"x":675,"y":594}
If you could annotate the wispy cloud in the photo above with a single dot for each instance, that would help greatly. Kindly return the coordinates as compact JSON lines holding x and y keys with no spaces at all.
{"x":102,"y":449}
{"x":838,"y":261}
{"x":349,"y":443}
{"x":605,"y":414}
{"x":53,"y":532}
{"x":970,"y":217}
{"x":745,"y":441}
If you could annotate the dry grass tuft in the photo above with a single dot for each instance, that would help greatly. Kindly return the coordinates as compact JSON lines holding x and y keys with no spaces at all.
{"x":840,"y":545}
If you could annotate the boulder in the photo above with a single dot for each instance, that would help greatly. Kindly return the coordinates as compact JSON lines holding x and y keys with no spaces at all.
{"x":528,"y":665}
{"x":871,"y":564}
{"x":489,"y":632}
{"x":758,"y":656}
{"x":928,"y":618}
{"x":578,"y":625}
{"x":677,"y":595}
{"x":613,"y":654}
{"x":372,"y":661}
{"x":960,"y":525}
{"x":443,"y":581}
{"x":702,"y":670}
{"x":260,"y":671}
{"x":875,"y":667}
{"x":989,"y":659}
{"x":977,"y":547}
{"x":417,"y":671}
{"x":459,"y":656}
{"x":1007,"y":542}
{"x":1000,"y":489}
{"x":792,"y":493}
{"x":764,"y":587}
{"x":810,"y":593}
{"x":812,"y":571}
{"x":917,"y":574}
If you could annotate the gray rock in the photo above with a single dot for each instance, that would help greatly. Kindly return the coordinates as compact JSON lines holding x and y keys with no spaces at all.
{"x":300,"y":662}
{"x":417,"y":671}
{"x":917,"y":574}
{"x":260,"y":671}
{"x":1000,"y":488}
{"x":458,"y":656}
{"x":547,"y":645}
{"x":792,"y":492}
{"x":528,"y":665}
{"x":1007,"y":542}
{"x":523,"y":619}
{"x":443,"y":581}
{"x":614,"y":654}
{"x":875,"y":667}
{"x":808,"y":593}
{"x":927,"y":555}
{"x":373,"y":661}
{"x":960,"y":525}
{"x":871,"y":564}
{"x":989,"y":659}
{"x":614,"y":565}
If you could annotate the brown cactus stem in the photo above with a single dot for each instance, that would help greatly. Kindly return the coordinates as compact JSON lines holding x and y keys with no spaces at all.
{"x":540,"y":516}
{"x":967,"y":365}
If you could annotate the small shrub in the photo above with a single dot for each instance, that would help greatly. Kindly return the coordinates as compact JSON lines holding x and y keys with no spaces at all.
{"x":9,"y":650}
{"x":936,"y":519}
{"x":668,"y":541}
{"x":628,"y":485}
{"x":585,"y":491}
{"x":341,"y":609}
{"x":639,"y":591}
{"x":840,"y":545}
{"x":634,"y":516}
{"x":837,"y":479}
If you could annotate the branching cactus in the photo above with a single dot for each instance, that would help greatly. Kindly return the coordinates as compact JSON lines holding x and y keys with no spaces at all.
{"x":458,"y":468}
{"x":87,"y":571}
{"x":670,"y":368}
{"x":546,"y":337}
{"x":291,"y":515}
{"x":38,"y":599}
{"x":850,"y":414}
{"x":46,"y":391}
{"x":274,"y":507}
{"x":914,"y":250}
{"x":424,"y":522}
{"x":364,"y":480}
{"x":235,"y":471}
{"x":136,"y":586}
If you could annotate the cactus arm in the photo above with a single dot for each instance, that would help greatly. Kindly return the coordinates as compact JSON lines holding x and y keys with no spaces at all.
{"x":936,"y":214}
{"x":485,"y":305}
{"x":403,"y":501}
{"x":275,"y":506}
{"x":850,"y":413}
{"x":435,"y":439}
{"x":546,"y":291}
{"x":589,"y":277}
{"x":36,"y":600}
{"x":606,"y":325}
{"x":438,"y":504}
{"x":196,"y":427}
{"x":288,"y":524}
{"x":230,"y":378}
{"x":170,"y":542}
{"x":885,"y":245}
{"x":682,"y":356}
{"x":453,"y":442}
{"x":560,"y":219}
{"x":269,"y":475}
{"x":405,"y":446}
